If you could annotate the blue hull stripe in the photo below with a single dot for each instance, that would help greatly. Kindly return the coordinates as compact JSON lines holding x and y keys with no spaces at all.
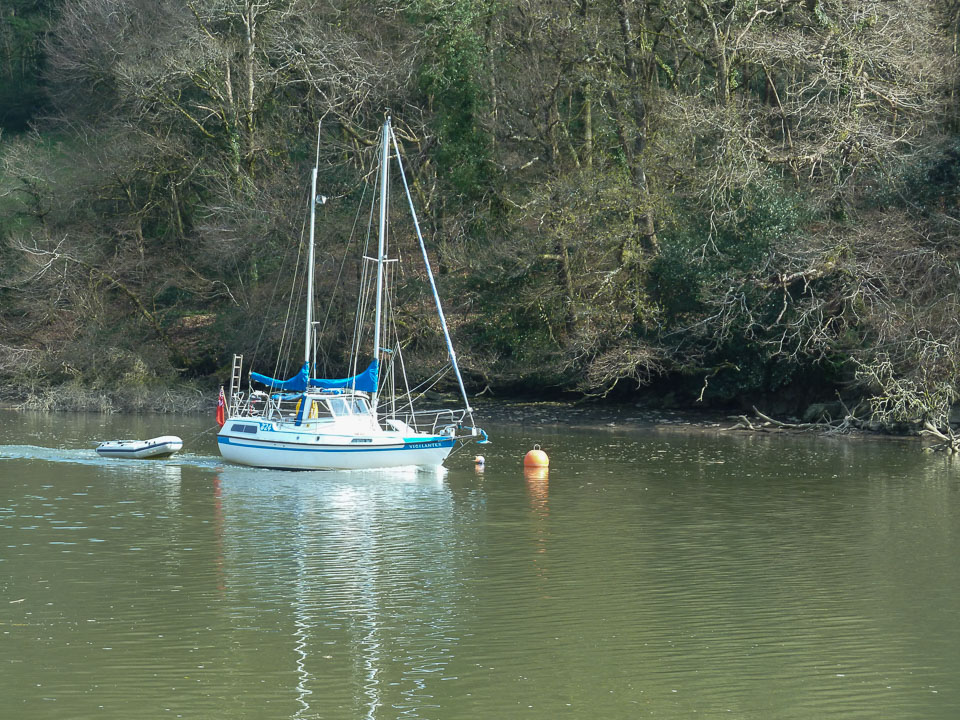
{"x":418,"y":445}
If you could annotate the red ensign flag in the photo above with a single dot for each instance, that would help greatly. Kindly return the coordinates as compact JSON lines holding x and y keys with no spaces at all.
{"x":221,"y":409}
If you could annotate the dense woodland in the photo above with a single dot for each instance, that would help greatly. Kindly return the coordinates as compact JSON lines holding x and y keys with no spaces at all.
{"x":691,"y":202}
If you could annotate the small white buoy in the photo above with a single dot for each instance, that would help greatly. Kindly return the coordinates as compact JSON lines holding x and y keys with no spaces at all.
{"x":479,"y":460}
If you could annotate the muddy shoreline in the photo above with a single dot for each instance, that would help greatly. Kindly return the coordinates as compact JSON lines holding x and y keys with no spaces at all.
{"x":626,"y":417}
{"x":572,"y":415}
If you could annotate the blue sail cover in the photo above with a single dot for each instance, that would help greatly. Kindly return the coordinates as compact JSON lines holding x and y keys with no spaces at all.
{"x":298,"y":383}
{"x":365,"y":381}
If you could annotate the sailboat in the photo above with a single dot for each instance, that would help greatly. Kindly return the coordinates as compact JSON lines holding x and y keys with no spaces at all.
{"x":367,"y":420}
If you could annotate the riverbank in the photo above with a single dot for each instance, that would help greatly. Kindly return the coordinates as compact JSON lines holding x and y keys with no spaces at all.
{"x":574,"y":415}
{"x":181,"y":398}
{"x":613,"y":416}
{"x":591,"y":415}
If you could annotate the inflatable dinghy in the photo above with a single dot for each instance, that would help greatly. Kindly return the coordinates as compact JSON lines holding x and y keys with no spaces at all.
{"x":158,"y":447}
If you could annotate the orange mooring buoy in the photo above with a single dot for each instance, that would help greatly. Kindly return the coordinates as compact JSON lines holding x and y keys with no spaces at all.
{"x":536,"y":458}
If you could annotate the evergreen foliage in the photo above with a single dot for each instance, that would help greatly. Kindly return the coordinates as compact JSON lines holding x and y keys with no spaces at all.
{"x":23,"y":24}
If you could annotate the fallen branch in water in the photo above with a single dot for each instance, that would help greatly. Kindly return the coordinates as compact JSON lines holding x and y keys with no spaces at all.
{"x":765,"y":423}
{"x":949,"y":442}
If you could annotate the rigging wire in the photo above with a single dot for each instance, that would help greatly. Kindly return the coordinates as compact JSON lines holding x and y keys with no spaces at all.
{"x":273,"y":295}
{"x":364,"y":294}
{"x":339,"y":278}
{"x":433,"y":286}
{"x":295,"y":291}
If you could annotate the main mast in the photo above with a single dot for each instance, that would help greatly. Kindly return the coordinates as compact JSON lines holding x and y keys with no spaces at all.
{"x":381,"y":242}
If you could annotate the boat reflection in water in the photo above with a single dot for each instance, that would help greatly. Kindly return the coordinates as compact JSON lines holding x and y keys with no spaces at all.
{"x":370,"y":603}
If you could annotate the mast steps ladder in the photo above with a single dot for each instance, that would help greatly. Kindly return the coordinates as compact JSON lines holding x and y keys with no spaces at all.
{"x":235,"y":380}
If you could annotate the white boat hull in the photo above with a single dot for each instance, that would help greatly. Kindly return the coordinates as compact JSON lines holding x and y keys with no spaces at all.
{"x":272,"y":447}
{"x":157,"y":447}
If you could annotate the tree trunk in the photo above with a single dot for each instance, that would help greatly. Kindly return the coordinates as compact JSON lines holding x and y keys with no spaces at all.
{"x":250,"y":24}
{"x":587,"y":126}
{"x":645,"y":224}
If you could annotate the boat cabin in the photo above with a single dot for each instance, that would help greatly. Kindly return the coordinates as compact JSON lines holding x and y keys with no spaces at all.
{"x":320,"y":406}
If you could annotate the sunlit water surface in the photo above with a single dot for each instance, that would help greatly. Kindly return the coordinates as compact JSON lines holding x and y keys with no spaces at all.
{"x":649,"y":573}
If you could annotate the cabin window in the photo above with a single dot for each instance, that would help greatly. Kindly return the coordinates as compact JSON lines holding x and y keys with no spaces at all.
{"x":339,"y":406}
{"x":323,"y":411}
{"x":360,"y":406}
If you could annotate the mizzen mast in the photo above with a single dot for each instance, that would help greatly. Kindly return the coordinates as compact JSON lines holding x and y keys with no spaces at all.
{"x":307,"y":341}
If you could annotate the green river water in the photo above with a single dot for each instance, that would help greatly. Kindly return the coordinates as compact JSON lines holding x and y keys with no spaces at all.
{"x":650,"y":573}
